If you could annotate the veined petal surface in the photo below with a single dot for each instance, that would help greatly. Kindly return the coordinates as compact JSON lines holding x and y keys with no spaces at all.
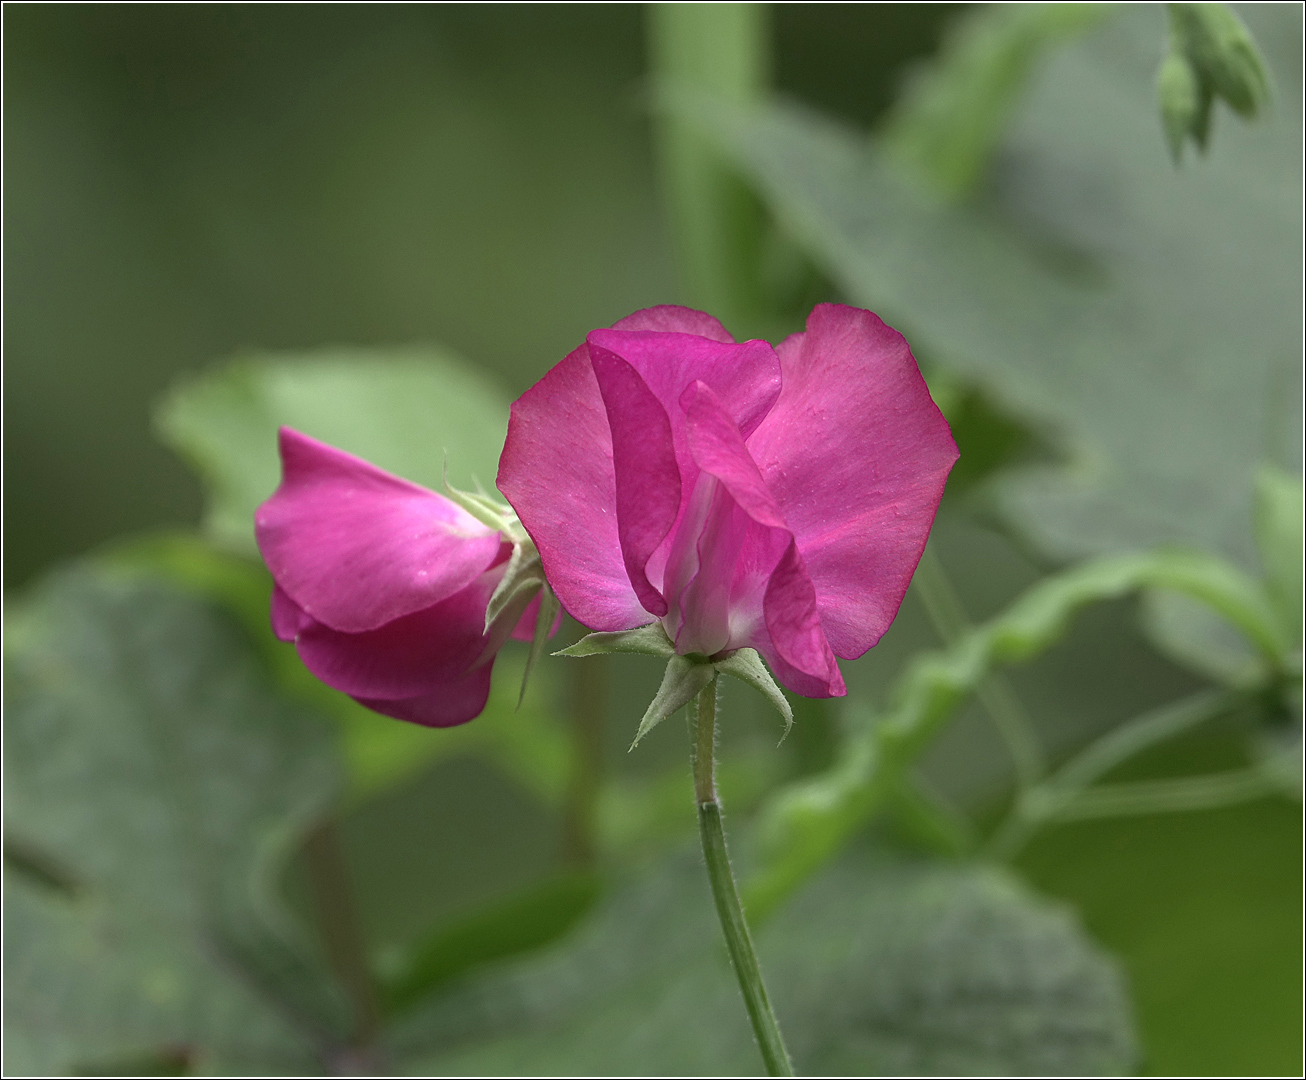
{"x":856,"y":454}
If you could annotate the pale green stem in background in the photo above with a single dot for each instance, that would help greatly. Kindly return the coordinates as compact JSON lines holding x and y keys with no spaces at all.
{"x":1063,"y":796}
{"x":995,"y":694}
{"x":721,"y":50}
{"x":724,"y":891}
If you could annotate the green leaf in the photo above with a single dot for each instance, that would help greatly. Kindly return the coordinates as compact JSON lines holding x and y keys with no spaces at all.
{"x":519,"y":924}
{"x":648,"y":640}
{"x":746,"y":666}
{"x":683,"y":680}
{"x":148,"y":758}
{"x":1279,"y":539}
{"x":883,"y":966}
{"x":949,"y":120}
{"x":405,"y":410}
{"x":1195,"y":637}
{"x":805,"y":823}
{"x":1144,"y":316}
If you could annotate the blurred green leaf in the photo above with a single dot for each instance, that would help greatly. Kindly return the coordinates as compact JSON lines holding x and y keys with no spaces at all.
{"x":1197,"y":638}
{"x":1279,"y":538}
{"x":527,"y":741}
{"x":883,"y":966}
{"x":406,"y":410}
{"x":807,"y":821}
{"x":949,"y":120}
{"x":148,"y":759}
{"x":519,"y":924}
{"x":1145,"y":316}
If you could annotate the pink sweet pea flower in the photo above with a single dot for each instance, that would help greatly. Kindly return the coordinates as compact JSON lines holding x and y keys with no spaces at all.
{"x":747,"y":497}
{"x":383,"y":585}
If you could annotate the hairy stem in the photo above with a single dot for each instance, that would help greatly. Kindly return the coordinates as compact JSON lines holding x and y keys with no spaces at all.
{"x":588,"y":714}
{"x":724,"y":891}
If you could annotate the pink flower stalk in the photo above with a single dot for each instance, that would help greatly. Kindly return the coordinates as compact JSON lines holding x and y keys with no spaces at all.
{"x":383,"y":585}
{"x":747,"y":497}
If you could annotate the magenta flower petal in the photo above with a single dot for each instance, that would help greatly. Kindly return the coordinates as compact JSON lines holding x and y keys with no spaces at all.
{"x":556,"y":470}
{"x":745,"y":376}
{"x":797,"y":650}
{"x":644,"y":467}
{"x":447,"y":705}
{"x":673,"y":319}
{"x":763,"y":550}
{"x":747,"y":498}
{"x":856,"y":454}
{"x":408,"y":656}
{"x":288,"y":618}
{"x":356,"y":547}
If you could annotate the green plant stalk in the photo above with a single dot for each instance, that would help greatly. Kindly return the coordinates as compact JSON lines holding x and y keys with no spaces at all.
{"x":724,"y":891}
{"x":588,"y":715}
{"x":720,"y":50}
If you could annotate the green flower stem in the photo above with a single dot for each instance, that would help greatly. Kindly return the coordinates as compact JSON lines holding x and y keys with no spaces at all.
{"x":729,"y":910}
{"x":721,"y":50}
{"x":589,"y":715}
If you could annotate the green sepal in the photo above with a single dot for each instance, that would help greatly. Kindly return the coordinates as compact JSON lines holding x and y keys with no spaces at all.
{"x":507,"y":614}
{"x":746,"y":666}
{"x":683,"y":680}
{"x":543,"y":624}
{"x":484,"y":509}
{"x":651,"y":640}
{"x":524,"y":575}
{"x":1278,"y":524}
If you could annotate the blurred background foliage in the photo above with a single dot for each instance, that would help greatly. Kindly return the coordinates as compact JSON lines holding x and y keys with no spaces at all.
{"x":395,"y":219}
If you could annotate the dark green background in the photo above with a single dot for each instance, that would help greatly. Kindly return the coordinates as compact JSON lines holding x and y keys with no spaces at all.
{"x":182,"y":181}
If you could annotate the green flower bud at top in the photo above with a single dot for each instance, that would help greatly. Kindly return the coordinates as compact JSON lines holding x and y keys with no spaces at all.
{"x":1211,"y":55}
{"x":1185,"y":108}
{"x":1222,"y":52}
